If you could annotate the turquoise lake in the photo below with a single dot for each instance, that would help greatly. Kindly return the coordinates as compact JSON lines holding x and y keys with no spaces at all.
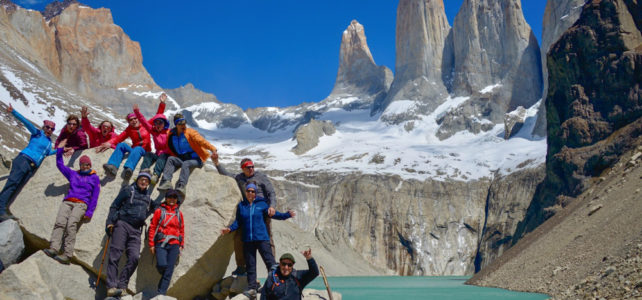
{"x":448,"y":287}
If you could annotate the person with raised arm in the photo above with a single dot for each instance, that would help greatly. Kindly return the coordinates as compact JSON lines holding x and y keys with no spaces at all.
{"x":27,"y":161}
{"x":74,"y":135}
{"x":100,"y":135}
{"x":250,"y":215}
{"x":158,"y":127}
{"x":141,"y":144}
{"x":286,"y":283}
{"x":78,"y":206}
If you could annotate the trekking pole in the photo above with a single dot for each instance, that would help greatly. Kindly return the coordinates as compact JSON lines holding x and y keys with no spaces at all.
{"x":325,"y":280}
{"x":102,"y":261}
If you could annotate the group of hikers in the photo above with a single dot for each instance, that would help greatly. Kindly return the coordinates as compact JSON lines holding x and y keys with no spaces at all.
{"x":178,"y":147}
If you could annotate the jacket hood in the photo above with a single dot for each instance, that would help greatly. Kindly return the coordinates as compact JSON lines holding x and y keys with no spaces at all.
{"x":162,"y":117}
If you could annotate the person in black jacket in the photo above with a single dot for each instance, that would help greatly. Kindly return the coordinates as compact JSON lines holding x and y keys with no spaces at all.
{"x":125,"y":221}
{"x":285,"y":283}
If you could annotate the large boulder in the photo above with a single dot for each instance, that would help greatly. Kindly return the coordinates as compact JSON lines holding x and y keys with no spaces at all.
{"x":209,"y":206}
{"x":307,"y":136}
{"x":40,"y":277}
{"x":11,"y":243}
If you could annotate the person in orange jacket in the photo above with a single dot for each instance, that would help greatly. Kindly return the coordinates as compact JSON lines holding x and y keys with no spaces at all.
{"x":189,"y":150}
{"x":166,"y":237}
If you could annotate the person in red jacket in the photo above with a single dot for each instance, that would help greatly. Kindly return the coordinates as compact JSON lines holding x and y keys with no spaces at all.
{"x":100,"y":135}
{"x":141,"y":144}
{"x":158,"y":127}
{"x":166,"y":237}
{"x":75,"y":136}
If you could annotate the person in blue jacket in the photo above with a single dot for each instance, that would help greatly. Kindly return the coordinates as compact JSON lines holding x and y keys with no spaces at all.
{"x":27,"y":161}
{"x":250,"y":218}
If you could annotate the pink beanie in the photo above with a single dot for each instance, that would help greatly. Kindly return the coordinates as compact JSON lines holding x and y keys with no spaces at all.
{"x":131,"y":115}
{"x":49,"y":123}
{"x":85,"y":160}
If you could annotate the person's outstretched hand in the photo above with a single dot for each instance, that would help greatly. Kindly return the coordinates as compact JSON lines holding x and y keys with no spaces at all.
{"x":84,"y":112}
{"x":307,"y":253}
{"x":163,"y":97}
{"x":10,"y":108}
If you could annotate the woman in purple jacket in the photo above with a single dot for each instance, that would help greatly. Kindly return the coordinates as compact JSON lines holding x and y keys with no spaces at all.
{"x":78,"y":205}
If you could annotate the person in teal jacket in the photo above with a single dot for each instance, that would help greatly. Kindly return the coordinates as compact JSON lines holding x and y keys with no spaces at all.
{"x":27,"y":161}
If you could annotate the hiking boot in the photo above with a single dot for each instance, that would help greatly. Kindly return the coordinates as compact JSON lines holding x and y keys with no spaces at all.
{"x":50,"y":252}
{"x":154,"y":179}
{"x":63,"y":259}
{"x":114,"y":292}
{"x":127,"y":173}
{"x":110,"y":170}
{"x":164,"y":185}
{"x":251,"y":293}
{"x":181,"y":191}
{"x":240,"y":271}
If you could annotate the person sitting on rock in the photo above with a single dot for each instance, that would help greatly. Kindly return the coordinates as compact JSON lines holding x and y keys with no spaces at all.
{"x":286,"y":283}
{"x":158,"y":127}
{"x":189,"y":150}
{"x":141,"y":144}
{"x":74,"y":135}
{"x":100,"y":135}
{"x":265,"y":190}
{"x":167,"y":238}
{"x":250,"y":215}
{"x":77,"y":206}
{"x":27,"y":161}
{"x":125,"y":221}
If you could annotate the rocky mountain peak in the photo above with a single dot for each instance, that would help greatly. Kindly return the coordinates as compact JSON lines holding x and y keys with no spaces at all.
{"x":358,"y":74}
{"x":8,"y":5}
{"x":55,"y":8}
{"x":424,"y":54}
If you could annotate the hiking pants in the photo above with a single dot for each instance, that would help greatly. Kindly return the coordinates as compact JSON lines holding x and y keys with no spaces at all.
{"x":150,"y":158}
{"x":239,"y":257}
{"x":123,"y":148}
{"x":22,"y":168}
{"x":186,"y":166}
{"x":69,"y":216}
{"x":249,"y":251}
{"x":165,"y":261}
{"x":124,"y":238}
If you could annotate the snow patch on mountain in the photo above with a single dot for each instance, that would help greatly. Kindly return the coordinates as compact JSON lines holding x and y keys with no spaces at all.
{"x":364,"y":144}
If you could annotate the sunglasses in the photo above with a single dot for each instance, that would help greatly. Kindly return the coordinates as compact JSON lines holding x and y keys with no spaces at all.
{"x":131,"y":119}
{"x":287,"y":264}
{"x":72,"y":123}
{"x":106,"y":126}
{"x":251,"y":191}
{"x":49,"y":127}
{"x":85,"y":165}
{"x":249,"y":167}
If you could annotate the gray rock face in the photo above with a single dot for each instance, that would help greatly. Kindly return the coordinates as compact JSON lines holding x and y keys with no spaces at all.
{"x":493,"y":44}
{"x":11,"y":243}
{"x":188,"y":95}
{"x":424,"y":54}
{"x":209,"y":204}
{"x":214,"y":114}
{"x":40,"y":277}
{"x":496,"y":63}
{"x":307,"y":136}
{"x":513,"y":122}
{"x":410,"y":227}
{"x":358,"y":74}
{"x":508,"y":199}
{"x":559,"y":15}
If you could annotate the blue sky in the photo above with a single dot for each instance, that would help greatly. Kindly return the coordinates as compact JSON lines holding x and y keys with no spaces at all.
{"x":259,"y":53}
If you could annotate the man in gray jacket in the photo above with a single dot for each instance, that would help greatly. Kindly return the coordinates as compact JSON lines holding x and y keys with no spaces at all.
{"x":265,"y":190}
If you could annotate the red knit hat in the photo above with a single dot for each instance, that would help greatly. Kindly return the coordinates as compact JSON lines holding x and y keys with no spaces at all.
{"x":85,"y":160}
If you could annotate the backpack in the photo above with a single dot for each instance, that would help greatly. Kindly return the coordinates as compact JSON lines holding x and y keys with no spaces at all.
{"x":276,"y":281}
{"x":159,"y":235}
